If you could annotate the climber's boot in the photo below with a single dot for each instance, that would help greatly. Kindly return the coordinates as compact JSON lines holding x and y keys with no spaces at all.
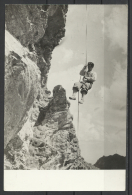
{"x":72,"y":98}
{"x":81,"y":101}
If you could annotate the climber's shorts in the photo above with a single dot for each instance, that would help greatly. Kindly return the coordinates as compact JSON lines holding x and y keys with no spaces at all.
{"x":84,"y":87}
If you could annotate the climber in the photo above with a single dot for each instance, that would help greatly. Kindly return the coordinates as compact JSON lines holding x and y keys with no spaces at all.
{"x":88,"y":78}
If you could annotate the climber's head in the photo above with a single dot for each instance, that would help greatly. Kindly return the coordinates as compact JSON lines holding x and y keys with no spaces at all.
{"x":90,"y":66}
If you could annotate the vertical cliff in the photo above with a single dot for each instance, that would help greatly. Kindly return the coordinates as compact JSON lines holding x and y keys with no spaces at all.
{"x":22,"y":84}
{"x":32,"y":32}
{"x":39,"y":28}
{"x":39,"y":132}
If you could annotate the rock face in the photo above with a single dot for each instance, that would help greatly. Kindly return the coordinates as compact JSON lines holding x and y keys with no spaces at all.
{"x":111,"y":162}
{"x":36,"y":30}
{"x":22,"y":81}
{"x":54,"y":144}
{"x":39,"y":132}
{"x":39,"y":28}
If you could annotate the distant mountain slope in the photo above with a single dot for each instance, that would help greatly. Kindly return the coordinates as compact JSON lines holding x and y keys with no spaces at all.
{"x":111,"y":162}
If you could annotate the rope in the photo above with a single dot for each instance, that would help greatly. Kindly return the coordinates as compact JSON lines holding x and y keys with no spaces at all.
{"x":78,"y":115}
{"x":86,"y":34}
{"x":80,"y":76}
{"x":78,"y":111}
{"x":79,"y":81}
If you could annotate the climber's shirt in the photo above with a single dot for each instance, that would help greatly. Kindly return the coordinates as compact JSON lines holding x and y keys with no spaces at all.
{"x":88,"y":78}
{"x":91,"y":75}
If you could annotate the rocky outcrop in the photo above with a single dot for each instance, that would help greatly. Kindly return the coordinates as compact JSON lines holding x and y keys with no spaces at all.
{"x":22,"y":83}
{"x":54,"y":144}
{"x":36,"y":30}
{"x":111,"y":162}
{"x":40,"y":28}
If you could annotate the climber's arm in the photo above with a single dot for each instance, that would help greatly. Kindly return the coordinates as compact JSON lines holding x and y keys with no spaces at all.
{"x":85,"y":69}
{"x":91,"y":79}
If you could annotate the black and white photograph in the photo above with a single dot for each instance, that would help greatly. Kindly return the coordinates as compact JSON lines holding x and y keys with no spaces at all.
{"x":65,"y":94}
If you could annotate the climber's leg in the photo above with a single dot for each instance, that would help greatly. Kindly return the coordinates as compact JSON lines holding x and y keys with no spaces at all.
{"x":76,"y":88}
{"x":83,"y":95}
{"x":84,"y":91}
{"x":74,"y":92}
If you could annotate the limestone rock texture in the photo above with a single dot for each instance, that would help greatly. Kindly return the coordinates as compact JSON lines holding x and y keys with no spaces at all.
{"x":39,"y":28}
{"x":38,"y":129}
{"x":54,"y":144}
{"x":22,"y":81}
{"x":32,"y":32}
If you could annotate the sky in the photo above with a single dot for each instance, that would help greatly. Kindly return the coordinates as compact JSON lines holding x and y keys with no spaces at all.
{"x":102,"y":117}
